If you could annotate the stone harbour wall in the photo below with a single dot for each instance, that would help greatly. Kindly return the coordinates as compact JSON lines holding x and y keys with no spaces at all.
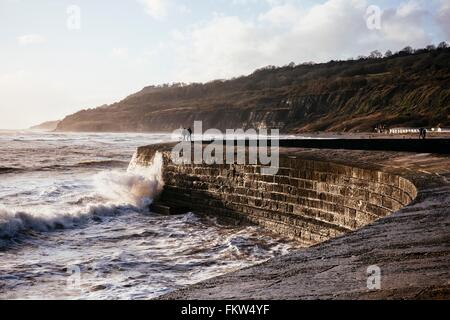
{"x":309,"y":200}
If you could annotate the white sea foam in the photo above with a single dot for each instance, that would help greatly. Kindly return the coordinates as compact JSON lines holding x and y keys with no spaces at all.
{"x":13,"y":222}
{"x":138,"y":186}
{"x":134,"y":189}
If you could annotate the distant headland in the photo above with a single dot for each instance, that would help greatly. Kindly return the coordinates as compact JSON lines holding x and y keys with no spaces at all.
{"x":46,"y":126}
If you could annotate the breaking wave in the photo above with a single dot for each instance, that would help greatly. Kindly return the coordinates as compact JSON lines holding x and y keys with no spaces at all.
{"x":121,"y":191}
{"x":15,"y":222}
{"x":138,"y":186}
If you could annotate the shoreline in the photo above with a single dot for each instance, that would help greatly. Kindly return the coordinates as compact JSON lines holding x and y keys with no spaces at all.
{"x":298,"y":135}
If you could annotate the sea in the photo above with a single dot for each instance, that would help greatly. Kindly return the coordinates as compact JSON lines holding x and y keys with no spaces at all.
{"x":75,"y":223}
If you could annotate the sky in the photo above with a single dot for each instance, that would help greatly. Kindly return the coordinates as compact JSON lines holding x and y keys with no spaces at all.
{"x":58,"y":56}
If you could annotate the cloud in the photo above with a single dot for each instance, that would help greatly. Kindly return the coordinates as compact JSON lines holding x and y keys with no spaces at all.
{"x":30,"y":39}
{"x":251,"y":2}
{"x":282,"y":15}
{"x":119,"y":52}
{"x":405,"y":25}
{"x":221,"y":48}
{"x":161,"y":9}
{"x":157,"y":9}
{"x":227,"y":46}
{"x":243,"y":2}
{"x":443,"y":17}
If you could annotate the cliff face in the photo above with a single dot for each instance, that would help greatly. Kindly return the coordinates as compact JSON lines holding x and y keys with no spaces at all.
{"x":403,"y":90}
{"x":46,"y":126}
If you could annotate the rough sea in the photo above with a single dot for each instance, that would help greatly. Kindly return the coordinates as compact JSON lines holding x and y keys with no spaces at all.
{"x":75,"y":224}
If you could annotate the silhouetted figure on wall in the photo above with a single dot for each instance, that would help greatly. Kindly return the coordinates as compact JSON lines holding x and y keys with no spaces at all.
{"x":422,"y":133}
{"x":189,"y":131}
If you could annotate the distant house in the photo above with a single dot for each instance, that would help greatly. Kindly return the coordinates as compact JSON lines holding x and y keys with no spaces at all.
{"x":441,"y":130}
{"x":416,"y":130}
{"x":403,"y":130}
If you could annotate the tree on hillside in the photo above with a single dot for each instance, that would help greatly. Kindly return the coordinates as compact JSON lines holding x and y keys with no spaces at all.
{"x":376,"y":55}
{"x":388,"y":54}
{"x":407,"y":50}
{"x":443,"y":45}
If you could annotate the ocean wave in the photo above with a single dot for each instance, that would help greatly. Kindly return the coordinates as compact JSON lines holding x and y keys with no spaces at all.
{"x":133,"y":190}
{"x":101,"y":163}
{"x":57,"y":167}
{"x":5,"y":170}
{"x":13,"y":223}
{"x":83,"y":164}
{"x":138,"y":186}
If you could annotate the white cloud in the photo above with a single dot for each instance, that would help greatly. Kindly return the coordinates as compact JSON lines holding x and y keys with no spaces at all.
{"x":161,"y":9}
{"x":243,"y":2}
{"x":282,"y":15}
{"x":119,"y":52}
{"x":404,"y":26}
{"x":157,"y":9}
{"x":228,"y":46}
{"x":218,"y":49}
{"x":250,"y":2}
{"x":443,"y":17}
{"x":30,"y":39}
{"x":408,"y":8}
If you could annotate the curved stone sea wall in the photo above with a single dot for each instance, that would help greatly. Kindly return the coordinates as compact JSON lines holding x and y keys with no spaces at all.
{"x":309,"y":200}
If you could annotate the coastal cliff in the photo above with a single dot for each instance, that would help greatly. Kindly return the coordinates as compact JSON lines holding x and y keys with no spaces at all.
{"x":356,"y":95}
{"x":46,"y":126}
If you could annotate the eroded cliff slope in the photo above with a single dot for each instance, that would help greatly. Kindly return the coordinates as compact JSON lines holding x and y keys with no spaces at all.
{"x":402,"y":90}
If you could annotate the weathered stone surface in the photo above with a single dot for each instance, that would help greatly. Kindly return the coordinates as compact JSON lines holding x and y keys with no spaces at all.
{"x":315,"y":200}
{"x":321,"y":197}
